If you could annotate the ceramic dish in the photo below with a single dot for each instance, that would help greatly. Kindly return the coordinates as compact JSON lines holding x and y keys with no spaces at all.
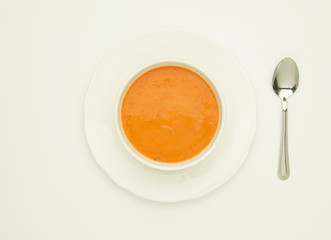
{"x":226,"y":155}
{"x":158,"y":165}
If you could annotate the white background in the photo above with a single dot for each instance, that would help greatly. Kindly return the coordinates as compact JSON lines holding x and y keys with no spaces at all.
{"x":50,"y":185}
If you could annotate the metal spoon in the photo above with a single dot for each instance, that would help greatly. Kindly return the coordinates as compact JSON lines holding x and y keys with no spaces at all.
{"x":285,"y":82}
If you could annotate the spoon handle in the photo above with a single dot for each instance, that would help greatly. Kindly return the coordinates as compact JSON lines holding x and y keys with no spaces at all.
{"x":283,"y":166}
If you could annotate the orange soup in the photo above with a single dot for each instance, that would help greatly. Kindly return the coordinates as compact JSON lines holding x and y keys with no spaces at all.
{"x":170,"y":114}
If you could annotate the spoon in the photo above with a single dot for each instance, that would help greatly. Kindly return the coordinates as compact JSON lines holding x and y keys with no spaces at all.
{"x":285,"y":82}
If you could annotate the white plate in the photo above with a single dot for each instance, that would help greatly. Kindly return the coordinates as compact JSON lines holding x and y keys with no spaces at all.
{"x":229,"y":153}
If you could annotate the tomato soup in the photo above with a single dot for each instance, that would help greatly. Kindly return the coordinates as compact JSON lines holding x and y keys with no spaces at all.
{"x":170,"y":114}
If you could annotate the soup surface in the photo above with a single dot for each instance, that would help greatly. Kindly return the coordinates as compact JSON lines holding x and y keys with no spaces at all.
{"x":170,"y":114}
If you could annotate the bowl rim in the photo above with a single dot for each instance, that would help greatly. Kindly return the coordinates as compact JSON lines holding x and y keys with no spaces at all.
{"x":163,"y":63}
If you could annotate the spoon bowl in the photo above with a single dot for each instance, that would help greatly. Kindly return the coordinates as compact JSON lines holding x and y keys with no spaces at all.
{"x":286,"y":78}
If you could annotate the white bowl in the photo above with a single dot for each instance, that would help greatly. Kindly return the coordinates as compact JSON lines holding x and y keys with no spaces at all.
{"x":145,"y":160}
